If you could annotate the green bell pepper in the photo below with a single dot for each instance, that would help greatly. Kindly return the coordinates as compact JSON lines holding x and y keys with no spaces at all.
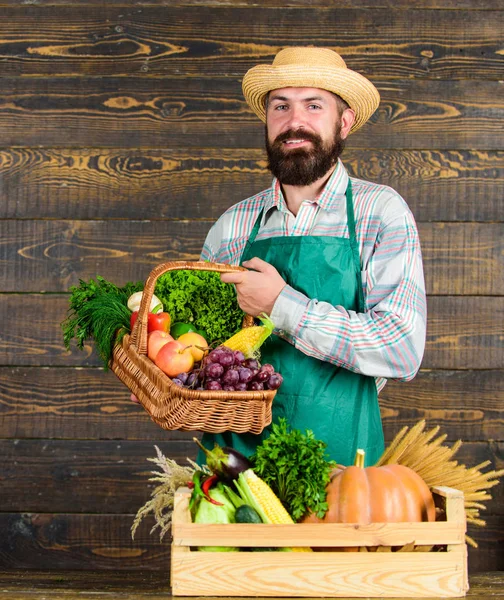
{"x":178,"y":329}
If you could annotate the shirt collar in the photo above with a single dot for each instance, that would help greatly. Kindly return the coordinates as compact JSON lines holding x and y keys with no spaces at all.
{"x":330,"y":196}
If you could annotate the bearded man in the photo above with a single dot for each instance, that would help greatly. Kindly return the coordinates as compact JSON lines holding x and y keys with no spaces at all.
{"x":333,"y":260}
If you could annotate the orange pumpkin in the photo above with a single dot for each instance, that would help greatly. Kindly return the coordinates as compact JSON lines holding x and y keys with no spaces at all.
{"x":386,"y":494}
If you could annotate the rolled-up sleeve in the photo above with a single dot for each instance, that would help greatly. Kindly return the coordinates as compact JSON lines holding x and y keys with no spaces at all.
{"x":385,"y":341}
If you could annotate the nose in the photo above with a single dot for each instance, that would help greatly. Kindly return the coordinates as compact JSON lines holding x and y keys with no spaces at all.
{"x":296,"y":118}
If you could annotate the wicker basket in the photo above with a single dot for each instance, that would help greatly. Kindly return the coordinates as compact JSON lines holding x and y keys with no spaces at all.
{"x":175,"y":407}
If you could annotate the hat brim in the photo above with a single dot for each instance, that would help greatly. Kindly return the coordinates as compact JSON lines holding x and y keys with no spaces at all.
{"x":357,"y":91}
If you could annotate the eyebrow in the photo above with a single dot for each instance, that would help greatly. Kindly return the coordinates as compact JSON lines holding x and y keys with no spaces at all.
{"x":286,"y":99}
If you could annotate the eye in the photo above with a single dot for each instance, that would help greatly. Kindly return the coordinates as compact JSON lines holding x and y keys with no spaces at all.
{"x":280,"y":107}
{"x":314,"y":107}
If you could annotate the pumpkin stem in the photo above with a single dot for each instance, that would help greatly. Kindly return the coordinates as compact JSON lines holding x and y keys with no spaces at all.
{"x":359,"y":458}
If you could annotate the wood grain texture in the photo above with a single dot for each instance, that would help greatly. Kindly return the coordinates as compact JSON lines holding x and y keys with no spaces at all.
{"x":73,"y":541}
{"x":201,"y":183}
{"x":466,"y":405}
{"x":225,"y":41}
{"x":111,"y":476}
{"x":319,"y":573}
{"x":125,"y":134}
{"x":132,"y":112}
{"x":463,"y":333}
{"x":87,"y":404}
{"x":52,"y":255}
{"x":34,"y":584}
{"x":473,"y":5}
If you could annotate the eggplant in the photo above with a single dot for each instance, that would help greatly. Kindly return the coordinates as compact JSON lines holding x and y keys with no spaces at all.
{"x":225,"y":462}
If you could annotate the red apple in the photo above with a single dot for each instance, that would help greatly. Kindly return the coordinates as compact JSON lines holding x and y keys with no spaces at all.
{"x":174,"y":358}
{"x":155,"y":341}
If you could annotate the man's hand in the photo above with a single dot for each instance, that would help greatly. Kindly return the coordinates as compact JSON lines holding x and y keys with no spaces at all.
{"x":257,"y":289}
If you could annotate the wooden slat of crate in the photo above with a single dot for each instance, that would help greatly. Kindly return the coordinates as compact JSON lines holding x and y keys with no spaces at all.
{"x":375,"y":534}
{"x":320,"y":574}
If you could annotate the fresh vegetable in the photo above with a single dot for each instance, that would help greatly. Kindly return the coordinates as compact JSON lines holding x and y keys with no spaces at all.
{"x":135,"y":300}
{"x":156,"y":321}
{"x":98,"y":311}
{"x":434,"y":462}
{"x":247,"y":514}
{"x":225,"y":462}
{"x":196,"y":489}
{"x":250,"y":339}
{"x":178,"y":329}
{"x":256,"y":493}
{"x":223,"y":511}
{"x":388,"y":494}
{"x":201,"y":299}
{"x":297,"y":468}
{"x":205,"y":488}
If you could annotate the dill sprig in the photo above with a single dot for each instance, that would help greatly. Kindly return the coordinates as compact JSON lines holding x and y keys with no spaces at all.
{"x":98,"y":311}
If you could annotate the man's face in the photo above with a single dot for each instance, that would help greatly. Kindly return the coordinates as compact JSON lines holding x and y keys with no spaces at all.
{"x":304,"y":134}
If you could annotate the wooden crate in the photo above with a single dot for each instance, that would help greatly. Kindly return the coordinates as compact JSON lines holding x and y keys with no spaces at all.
{"x":407,"y":573}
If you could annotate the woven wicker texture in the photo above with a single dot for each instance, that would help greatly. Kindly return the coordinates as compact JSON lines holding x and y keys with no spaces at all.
{"x":174,"y":407}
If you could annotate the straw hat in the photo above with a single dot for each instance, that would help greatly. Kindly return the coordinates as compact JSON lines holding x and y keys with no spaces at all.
{"x":311,"y":67}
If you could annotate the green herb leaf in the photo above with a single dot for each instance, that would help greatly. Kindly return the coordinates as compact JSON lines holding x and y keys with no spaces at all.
{"x":98,"y":311}
{"x":201,"y":298}
{"x":296,"y":467}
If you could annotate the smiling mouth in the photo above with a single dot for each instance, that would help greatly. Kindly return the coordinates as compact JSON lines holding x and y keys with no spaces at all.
{"x":295,"y":142}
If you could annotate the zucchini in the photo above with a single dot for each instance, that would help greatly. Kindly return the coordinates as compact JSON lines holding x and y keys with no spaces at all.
{"x":247,"y":514}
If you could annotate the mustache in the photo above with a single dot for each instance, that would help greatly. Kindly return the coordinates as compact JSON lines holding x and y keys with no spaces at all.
{"x":292,"y":134}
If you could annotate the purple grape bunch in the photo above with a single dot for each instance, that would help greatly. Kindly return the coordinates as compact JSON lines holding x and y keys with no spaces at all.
{"x":228,"y":370}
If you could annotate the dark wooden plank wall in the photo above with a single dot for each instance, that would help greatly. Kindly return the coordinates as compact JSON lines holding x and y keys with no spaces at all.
{"x":124,"y":135}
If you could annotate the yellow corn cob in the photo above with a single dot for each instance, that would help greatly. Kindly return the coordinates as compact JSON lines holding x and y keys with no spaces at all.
{"x":273,"y":511}
{"x":250,"y":339}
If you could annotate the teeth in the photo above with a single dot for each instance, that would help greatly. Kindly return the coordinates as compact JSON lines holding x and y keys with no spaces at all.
{"x":294,"y":141}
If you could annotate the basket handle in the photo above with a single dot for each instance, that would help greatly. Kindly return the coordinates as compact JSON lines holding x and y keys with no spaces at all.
{"x":138,"y":336}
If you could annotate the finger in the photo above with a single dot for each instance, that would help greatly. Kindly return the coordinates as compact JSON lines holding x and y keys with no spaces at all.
{"x":231,"y":277}
{"x":133,"y":398}
{"x":257,"y":264}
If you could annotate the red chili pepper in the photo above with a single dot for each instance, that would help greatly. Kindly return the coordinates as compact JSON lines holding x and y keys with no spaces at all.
{"x":205,"y":488}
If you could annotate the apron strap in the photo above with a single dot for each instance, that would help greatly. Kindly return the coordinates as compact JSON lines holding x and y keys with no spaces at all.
{"x":253,"y":233}
{"x":353,"y":240}
{"x":354,"y":244}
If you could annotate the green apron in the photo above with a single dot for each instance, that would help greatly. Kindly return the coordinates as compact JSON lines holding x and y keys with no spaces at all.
{"x":339,"y":406}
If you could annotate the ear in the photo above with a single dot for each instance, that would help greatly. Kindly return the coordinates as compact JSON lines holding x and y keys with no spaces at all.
{"x":347,"y":120}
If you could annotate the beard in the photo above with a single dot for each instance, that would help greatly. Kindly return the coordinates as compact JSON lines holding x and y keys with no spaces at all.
{"x":301,"y":166}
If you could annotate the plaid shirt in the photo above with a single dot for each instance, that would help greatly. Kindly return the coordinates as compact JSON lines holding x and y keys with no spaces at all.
{"x":388,"y":339}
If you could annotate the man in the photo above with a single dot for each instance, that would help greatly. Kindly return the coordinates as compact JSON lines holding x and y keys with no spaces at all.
{"x":335,"y":261}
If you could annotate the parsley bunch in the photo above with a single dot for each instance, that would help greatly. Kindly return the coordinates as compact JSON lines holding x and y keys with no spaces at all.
{"x":295,"y":466}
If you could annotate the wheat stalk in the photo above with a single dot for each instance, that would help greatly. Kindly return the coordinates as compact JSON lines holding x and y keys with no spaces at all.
{"x":171,"y":477}
{"x":424,"y":453}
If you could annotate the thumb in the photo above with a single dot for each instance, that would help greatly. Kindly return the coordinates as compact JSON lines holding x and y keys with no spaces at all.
{"x":257,"y":264}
